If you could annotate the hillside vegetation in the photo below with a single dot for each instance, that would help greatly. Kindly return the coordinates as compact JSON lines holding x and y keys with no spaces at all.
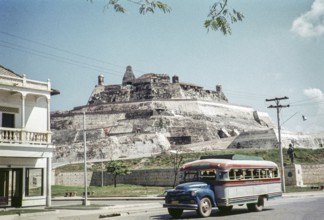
{"x":165,"y":160}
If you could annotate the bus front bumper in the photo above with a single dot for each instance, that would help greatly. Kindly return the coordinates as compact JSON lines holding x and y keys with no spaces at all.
{"x":181,"y":206}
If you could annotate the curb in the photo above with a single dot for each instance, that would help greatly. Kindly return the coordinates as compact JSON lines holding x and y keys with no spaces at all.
{"x":303,"y":194}
{"x":108,"y":198}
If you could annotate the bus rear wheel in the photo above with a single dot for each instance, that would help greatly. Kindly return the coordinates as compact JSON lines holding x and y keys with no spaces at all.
{"x":175,"y":213}
{"x":205,"y":207}
{"x":256,"y":207}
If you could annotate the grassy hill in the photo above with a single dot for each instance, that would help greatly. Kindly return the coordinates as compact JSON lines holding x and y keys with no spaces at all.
{"x":303,"y":156}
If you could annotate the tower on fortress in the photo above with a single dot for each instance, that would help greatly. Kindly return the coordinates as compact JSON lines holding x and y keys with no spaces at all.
{"x":129,"y":76}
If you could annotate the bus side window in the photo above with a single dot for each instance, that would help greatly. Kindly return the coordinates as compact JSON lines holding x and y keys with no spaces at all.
{"x":232,"y":175}
{"x":270,"y":173}
{"x":239,"y":174}
{"x":275,"y":173}
{"x":256,"y":174}
{"x":221,"y":175}
{"x":249,"y":174}
{"x":263,"y":173}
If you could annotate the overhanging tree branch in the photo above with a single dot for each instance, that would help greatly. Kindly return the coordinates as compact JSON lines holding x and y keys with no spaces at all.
{"x":219,"y":18}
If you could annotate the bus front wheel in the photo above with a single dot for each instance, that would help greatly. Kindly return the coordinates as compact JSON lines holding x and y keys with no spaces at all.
{"x":256,"y":207}
{"x":175,"y":213}
{"x":205,"y":207}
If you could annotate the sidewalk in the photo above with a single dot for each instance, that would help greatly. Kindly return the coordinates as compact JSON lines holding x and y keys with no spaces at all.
{"x":116,"y":210}
{"x":303,"y":194}
{"x":81,"y":214}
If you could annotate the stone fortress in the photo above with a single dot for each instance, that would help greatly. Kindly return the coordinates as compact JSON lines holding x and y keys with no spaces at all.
{"x":151,"y":114}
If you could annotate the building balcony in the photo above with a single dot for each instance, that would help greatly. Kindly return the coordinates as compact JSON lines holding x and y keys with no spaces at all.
{"x":19,"y":136}
{"x":23,"y":82}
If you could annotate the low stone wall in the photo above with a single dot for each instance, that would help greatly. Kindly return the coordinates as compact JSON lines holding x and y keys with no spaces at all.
{"x":313,"y":174}
{"x":294,"y":175}
{"x":154,"y":177}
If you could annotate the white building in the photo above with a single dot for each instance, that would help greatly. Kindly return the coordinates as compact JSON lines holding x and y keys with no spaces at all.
{"x":25,"y":140}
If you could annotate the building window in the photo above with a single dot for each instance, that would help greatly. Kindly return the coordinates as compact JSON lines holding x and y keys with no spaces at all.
{"x":7,"y":120}
{"x":34,"y":182}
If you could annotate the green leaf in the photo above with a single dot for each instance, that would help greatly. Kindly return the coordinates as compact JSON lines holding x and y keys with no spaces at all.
{"x":119,"y":8}
{"x":164,"y":7}
{"x":151,"y":6}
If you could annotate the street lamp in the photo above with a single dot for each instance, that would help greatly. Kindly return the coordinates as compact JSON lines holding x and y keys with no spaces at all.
{"x":85,"y":201}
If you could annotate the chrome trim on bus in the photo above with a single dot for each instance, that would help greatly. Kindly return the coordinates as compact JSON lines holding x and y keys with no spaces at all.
{"x":181,"y":206}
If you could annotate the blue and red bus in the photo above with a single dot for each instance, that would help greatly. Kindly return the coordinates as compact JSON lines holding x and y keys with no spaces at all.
{"x":223,"y":181}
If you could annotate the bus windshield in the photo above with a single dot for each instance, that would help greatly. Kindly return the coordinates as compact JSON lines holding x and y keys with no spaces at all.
{"x":190,"y":176}
{"x":201,"y":175}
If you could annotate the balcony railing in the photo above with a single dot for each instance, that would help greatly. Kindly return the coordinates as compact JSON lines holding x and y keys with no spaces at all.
{"x":23,"y":82}
{"x":19,"y":136}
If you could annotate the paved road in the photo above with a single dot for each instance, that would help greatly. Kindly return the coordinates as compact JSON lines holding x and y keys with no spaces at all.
{"x":310,"y":208}
{"x":293,"y":206}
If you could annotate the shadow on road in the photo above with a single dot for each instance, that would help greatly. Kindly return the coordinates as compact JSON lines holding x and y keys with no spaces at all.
{"x":215,"y":213}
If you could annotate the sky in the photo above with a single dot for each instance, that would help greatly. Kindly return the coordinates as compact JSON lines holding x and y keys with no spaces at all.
{"x":276,"y":51}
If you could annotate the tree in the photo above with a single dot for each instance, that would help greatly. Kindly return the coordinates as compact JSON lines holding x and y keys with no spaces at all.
{"x":177,"y":159}
{"x":117,"y":168}
{"x":220,"y":17}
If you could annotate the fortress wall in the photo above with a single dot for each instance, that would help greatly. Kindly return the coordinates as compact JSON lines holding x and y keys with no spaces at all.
{"x":208,"y":108}
{"x":114,"y":107}
{"x":220,"y":114}
{"x":111,"y":147}
{"x":255,"y":139}
{"x":265,"y":117}
{"x":75,"y":121}
{"x":299,"y":140}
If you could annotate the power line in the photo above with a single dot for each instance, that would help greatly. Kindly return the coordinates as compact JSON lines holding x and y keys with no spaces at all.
{"x":59,"y":49}
{"x":252,"y":94}
{"x":66,"y":51}
{"x":303,"y":100}
{"x":308,"y":104}
{"x":57,"y":58}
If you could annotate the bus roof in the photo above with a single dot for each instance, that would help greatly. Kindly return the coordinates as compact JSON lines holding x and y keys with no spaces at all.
{"x":227,"y":164}
{"x":232,"y":157}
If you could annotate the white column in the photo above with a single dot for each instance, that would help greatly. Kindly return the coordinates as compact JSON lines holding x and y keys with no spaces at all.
{"x":49,"y":182}
{"x":23,"y":109}
{"x":48,"y":114}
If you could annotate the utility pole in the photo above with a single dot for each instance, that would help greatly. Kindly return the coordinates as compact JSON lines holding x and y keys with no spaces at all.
{"x":278,"y":107}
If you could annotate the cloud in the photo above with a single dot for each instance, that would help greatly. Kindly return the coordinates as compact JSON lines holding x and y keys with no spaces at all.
{"x":316,"y":119}
{"x":314,"y":93}
{"x":310,"y":24}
